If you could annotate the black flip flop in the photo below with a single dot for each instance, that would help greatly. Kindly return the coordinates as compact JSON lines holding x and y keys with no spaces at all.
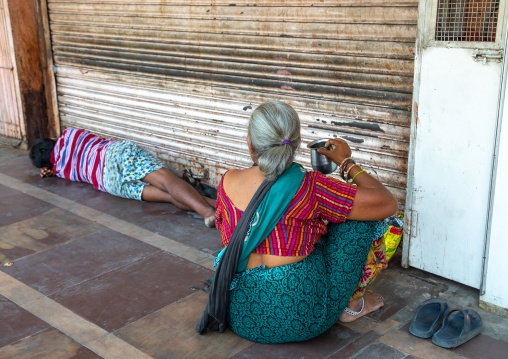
{"x":428,"y":318}
{"x":458,"y":327}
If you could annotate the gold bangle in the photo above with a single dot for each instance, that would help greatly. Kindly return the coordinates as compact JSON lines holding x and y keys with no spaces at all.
{"x":344,"y":161}
{"x":342,"y":166}
{"x":347,"y":172}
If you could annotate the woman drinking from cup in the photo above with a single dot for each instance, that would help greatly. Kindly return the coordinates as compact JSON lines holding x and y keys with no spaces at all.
{"x":301,"y":246}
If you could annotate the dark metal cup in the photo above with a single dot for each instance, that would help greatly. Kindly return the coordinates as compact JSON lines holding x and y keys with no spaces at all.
{"x":320,"y":162}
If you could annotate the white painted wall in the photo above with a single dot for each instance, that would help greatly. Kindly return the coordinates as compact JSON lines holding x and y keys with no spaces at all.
{"x":495,"y":286}
{"x":455,"y":130}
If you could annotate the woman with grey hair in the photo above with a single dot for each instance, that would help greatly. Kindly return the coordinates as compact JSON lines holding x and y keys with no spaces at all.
{"x":285,"y":275}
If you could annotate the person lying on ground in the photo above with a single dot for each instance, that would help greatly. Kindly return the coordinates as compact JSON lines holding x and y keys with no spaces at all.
{"x":117,"y":167}
{"x":295,"y":276}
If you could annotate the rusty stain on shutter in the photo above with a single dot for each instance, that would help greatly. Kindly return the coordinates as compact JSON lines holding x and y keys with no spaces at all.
{"x":181,"y":77}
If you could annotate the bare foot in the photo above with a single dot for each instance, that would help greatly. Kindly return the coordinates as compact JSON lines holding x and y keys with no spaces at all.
{"x":370,"y":302}
{"x":210,"y":219}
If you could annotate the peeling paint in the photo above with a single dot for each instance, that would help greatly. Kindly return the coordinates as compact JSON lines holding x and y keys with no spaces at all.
{"x":283,"y":72}
{"x":360,"y":125}
{"x":342,"y":131}
{"x":353,"y":139}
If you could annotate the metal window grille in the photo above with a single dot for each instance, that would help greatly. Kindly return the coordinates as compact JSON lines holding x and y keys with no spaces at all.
{"x":467,"y":20}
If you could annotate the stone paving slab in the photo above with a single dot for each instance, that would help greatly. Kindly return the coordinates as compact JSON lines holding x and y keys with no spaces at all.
{"x":170,"y":333}
{"x":47,"y":344}
{"x":126,"y":294}
{"x":17,"y":323}
{"x":77,"y":261}
{"x":42,"y":232}
{"x":18,"y":207}
{"x":357,"y":346}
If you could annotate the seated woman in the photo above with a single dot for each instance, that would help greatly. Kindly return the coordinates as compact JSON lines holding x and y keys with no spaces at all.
{"x":117,"y":167}
{"x":302,"y":276}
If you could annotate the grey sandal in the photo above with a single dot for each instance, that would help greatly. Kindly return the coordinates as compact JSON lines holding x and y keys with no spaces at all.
{"x":459,"y":326}
{"x":428,"y":317}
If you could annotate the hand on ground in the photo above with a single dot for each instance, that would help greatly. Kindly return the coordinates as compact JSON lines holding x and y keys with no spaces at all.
{"x":47,"y":172}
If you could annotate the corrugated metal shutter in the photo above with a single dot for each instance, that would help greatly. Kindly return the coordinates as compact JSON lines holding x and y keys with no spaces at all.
{"x":181,"y":77}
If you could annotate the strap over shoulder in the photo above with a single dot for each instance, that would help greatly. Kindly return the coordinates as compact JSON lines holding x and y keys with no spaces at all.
{"x":260,"y":217}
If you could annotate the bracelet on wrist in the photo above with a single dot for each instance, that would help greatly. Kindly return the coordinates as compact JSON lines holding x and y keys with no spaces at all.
{"x":349,"y":170}
{"x":344,"y":161}
{"x":344,"y":165}
{"x":341,"y":166}
{"x":353,"y":179}
{"x":344,"y":169}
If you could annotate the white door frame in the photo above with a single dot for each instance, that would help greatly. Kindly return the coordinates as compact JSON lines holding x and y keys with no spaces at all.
{"x":493,"y":296}
{"x":17,"y":108}
{"x":426,"y":30}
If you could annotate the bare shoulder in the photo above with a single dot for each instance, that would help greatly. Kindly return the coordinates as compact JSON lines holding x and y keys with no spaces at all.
{"x":231,"y":177}
{"x":240,"y":177}
{"x":231,"y":174}
{"x":240,"y":185}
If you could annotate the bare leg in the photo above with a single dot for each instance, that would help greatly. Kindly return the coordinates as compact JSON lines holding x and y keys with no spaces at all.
{"x":153,"y":194}
{"x":178,"y":192}
{"x":370,"y":302}
{"x":210,"y":201}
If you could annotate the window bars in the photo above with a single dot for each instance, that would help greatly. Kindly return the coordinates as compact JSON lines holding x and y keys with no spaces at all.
{"x":467,"y":20}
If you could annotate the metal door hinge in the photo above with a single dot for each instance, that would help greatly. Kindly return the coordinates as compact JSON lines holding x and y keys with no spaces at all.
{"x":487,"y":55}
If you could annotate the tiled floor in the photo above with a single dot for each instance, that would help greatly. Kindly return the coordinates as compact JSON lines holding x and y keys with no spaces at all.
{"x":95,"y":276}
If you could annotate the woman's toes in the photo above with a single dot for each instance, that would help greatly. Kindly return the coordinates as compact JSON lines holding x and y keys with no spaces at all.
{"x":373,"y":301}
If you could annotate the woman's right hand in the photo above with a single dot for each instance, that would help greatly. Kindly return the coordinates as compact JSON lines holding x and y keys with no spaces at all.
{"x":47,"y":172}
{"x":339,"y":152}
{"x":373,"y":201}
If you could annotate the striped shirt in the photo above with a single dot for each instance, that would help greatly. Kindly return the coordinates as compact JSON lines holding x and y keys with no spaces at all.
{"x":319,"y":199}
{"x":79,"y":156}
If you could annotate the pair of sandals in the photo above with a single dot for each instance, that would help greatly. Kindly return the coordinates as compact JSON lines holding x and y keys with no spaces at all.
{"x":448,"y":328}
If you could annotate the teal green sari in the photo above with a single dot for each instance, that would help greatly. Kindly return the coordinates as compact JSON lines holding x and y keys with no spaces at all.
{"x":264,"y":211}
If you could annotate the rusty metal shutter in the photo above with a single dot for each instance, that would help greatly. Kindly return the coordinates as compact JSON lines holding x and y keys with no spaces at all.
{"x":181,"y":77}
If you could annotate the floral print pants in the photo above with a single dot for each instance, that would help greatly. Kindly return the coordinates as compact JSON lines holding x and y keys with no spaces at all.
{"x":124,"y":167}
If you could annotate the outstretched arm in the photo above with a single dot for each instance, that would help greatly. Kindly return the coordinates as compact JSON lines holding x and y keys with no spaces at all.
{"x":373,"y":201}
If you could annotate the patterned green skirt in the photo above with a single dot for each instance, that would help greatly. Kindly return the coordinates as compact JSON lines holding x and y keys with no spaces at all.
{"x":302,"y":300}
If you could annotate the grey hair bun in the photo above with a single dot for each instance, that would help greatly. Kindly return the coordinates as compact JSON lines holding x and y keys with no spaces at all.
{"x":269,"y":125}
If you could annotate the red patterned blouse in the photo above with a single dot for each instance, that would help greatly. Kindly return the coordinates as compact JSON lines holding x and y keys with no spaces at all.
{"x":318,"y":199}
